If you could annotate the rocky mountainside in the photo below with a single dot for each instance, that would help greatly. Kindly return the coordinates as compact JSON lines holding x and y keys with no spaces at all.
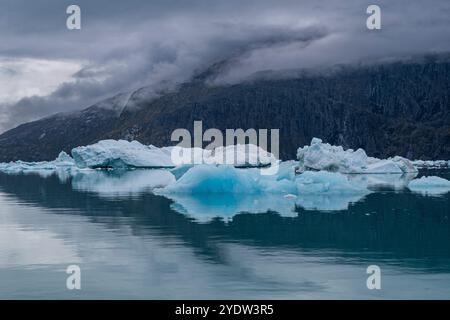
{"x":41,"y":139}
{"x":387,"y":109}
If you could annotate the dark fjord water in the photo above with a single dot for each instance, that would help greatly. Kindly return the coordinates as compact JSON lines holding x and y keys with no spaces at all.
{"x":138,"y":245}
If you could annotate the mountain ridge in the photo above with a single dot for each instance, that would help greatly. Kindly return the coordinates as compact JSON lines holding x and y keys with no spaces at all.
{"x":399,"y":108}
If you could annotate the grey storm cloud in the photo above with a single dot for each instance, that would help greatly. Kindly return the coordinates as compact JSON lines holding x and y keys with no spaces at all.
{"x":125,"y":45}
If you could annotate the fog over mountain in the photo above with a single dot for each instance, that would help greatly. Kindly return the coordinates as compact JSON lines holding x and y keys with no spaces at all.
{"x":397,"y":108}
{"x":126,"y":45}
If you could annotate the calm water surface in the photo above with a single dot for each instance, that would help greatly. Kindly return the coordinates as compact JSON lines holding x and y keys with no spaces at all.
{"x":130,"y":243}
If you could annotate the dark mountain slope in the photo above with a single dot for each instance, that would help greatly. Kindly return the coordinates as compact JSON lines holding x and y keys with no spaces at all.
{"x":45,"y":138}
{"x":389,"y":109}
{"x":397,"y":108}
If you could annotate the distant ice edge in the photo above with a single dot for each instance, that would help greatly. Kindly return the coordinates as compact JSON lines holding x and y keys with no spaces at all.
{"x":323,"y":156}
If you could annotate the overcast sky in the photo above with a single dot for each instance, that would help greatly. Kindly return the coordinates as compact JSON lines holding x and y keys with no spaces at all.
{"x":123,"y":45}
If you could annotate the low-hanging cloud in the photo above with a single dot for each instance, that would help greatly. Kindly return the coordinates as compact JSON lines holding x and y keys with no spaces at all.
{"x":127,"y":45}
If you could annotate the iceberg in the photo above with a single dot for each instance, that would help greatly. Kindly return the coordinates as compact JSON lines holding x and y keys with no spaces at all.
{"x":323,"y":156}
{"x":225,"y":179}
{"x":121,"y":154}
{"x":125,"y":154}
{"x":240,"y":156}
{"x":62,"y":163}
{"x":431,"y":164}
{"x":63,"y":167}
{"x":430,"y":185}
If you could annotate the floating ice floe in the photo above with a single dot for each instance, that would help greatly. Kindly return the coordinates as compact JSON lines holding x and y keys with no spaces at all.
{"x":323,"y":156}
{"x":431,"y":164}
{"x":63,"y":163}
{"x":430,"y":185}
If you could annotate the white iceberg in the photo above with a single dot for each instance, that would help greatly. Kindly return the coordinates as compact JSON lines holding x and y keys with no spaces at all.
{"x":323,"y":156}
{"x":125,"y":154}
{"x":430,"y":185}
{"x":63,"y":163}
{"x":121,"y":154}
{"x":224,"y":179}
{"x":431,"y":164}
{"x":240,"y":156}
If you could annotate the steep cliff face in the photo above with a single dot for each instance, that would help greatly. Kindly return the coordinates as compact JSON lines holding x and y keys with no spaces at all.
{"x":399,"y":108}
{"x":388,"y":109}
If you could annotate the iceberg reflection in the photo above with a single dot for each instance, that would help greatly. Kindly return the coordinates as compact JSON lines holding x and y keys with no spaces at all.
{"x":121,"y":183}
{"x":205,"y":207}
{"x":328,"y":202}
